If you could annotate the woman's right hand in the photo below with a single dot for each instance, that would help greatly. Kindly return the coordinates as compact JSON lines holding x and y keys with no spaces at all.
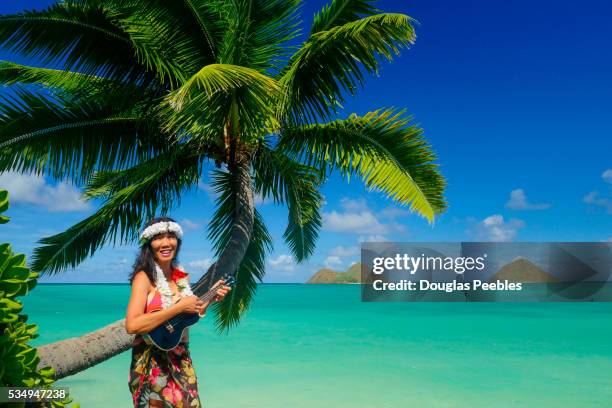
{"x":189,"y":304}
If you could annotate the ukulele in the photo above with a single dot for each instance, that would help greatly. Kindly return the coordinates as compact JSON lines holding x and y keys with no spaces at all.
{"x":168,"y":335}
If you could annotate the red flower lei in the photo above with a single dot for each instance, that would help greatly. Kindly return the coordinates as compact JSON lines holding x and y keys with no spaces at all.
{"x":178,"y":274}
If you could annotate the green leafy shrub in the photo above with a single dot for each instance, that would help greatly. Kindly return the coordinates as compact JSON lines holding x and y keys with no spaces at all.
{"x":19,"y":366}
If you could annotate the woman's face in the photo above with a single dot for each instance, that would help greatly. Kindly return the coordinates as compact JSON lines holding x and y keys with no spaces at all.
{"x":164,"y":247}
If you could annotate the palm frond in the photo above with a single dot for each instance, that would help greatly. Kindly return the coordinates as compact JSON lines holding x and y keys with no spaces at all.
{"x":258,"y":32}
{"x":381,"y":147}
{"x":78,"y":88}
{"x":160,"y":38}
{"x":222,"y":78}
{"x":132,"y":197}
{"x":78,"y":35}
{"x":304,"y":224}
{"x":12,"y":73}
{"x":296,"y":185}
{"x":206,"y":98}
{"x":114,"y":38}
{"x":333,"y":62}
{"x":203,"y":17}
{"x":75,"y":86}
{"x":251,"y":270}
{"x":339,"y":12}
{"x":62,"y":138}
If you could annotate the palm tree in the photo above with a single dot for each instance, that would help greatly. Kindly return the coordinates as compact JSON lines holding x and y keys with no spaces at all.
{"x":136,"y":96}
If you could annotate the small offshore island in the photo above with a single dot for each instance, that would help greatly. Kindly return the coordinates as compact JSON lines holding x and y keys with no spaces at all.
{"x":327,"y":275}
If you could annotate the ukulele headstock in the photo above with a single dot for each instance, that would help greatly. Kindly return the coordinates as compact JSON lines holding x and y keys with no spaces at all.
{"x":228,"y":280}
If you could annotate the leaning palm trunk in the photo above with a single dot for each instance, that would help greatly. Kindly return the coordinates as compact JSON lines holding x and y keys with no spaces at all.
{"x":76,"y":354}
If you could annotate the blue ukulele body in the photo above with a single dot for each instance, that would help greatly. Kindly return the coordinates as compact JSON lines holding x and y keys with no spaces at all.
{"x":168,"y":335}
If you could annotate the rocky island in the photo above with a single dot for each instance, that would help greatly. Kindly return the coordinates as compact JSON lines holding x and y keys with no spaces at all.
{"x":522,"y":270}
{"x":327,"y":275}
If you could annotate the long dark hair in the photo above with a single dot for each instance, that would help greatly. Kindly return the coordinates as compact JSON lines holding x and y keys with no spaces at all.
{"x":145,"y":261}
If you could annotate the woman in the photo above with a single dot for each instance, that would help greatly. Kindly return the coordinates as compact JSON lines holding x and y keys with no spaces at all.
{"x":160,"y":378}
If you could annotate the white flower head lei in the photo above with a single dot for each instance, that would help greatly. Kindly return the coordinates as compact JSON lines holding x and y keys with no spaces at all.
{"x":159,"y":228}
{"x":160,"y":278}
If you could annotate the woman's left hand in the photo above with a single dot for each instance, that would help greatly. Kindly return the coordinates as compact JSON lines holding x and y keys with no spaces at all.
{"x":221,"y":292}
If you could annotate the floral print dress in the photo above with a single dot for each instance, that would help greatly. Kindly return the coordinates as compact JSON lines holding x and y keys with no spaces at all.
{"x":155,"y":374}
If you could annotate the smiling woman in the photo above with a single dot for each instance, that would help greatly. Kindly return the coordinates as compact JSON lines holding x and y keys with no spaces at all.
{"x":160,"y":378}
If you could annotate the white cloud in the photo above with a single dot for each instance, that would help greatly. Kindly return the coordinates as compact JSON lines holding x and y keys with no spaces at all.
{"x":203,"y":264}
{"x":495,"y":228}
{"x":357,"y":218}
{"x":607,"y":176}
{"x":332,"y":262}
{"x":518,"y":201}
{"x":335,"y":258}
{"x":32,"y":189}
{"x":358,"y":222}
{"x":345,"y":251}
{"x":593,"y":198}
{"x":189,"y":224}
{"x":283,"y":263}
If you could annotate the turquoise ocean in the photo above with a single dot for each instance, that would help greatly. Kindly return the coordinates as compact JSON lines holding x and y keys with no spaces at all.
{"x":319,"y":346}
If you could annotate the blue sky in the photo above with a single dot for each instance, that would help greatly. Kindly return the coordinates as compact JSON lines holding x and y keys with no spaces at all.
{"x":515,"y":98}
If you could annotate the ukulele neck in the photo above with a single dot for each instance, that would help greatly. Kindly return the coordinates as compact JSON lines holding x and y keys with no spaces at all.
{"x":209,"y":295}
